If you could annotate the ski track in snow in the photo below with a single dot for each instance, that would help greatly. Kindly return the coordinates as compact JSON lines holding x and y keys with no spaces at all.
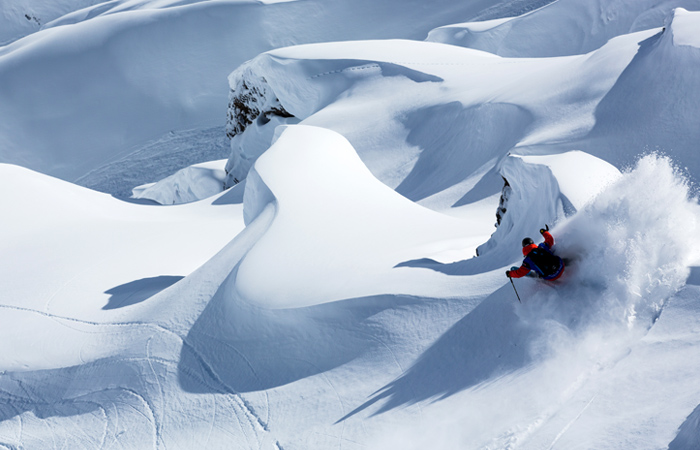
{"x":160,"y":388}
{"x":568,"y":425}
{"x":518,"y":438}
{"x":151,"y":417}
{"x":254,"y":421}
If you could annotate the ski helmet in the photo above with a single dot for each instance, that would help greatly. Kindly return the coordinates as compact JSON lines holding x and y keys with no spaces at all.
{"x":527,"y":241}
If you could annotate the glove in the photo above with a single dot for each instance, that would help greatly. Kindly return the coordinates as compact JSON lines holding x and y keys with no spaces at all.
{"x":508,"y":273}
{"x":546,"y":228}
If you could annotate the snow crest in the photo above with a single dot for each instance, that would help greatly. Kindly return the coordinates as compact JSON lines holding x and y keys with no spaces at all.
{"x":581,"y":25}
{"x":543,"y":189}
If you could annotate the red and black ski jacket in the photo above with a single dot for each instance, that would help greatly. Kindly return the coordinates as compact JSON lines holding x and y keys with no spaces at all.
{"x":541,"y":260}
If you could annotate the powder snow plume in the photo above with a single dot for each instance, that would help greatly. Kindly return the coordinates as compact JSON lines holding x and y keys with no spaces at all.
{"x":630,"y":250}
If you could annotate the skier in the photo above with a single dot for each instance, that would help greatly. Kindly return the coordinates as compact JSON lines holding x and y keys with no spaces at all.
{"x":539,"y":258}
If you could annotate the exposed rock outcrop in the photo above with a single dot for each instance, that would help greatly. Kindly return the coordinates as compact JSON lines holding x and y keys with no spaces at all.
{"x":253,"y":107}
{"x":503,"y":202}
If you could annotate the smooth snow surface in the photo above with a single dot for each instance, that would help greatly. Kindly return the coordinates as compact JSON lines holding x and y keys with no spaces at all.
{"x":318,"y":185}
{"x":23,"y":17}
{"x":684,"y":28}
{"x":338,"y":281}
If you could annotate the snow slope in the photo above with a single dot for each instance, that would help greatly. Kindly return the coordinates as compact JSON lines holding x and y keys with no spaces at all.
{"x":70,"y":234}
{"x":70,"y":246}
{"x":20,"y":18}
{"x":228,"y":355}
{"x":156,"y":160}
{"x":598,"y":367}
{"x":334,"y":297}
{"x":108,"y":79}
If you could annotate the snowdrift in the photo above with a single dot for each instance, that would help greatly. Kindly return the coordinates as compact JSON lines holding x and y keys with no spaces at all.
{"x":663,"y":121}
{"x":318,"y":186}
{"x":543,"y":189}
{"x":439,"y":108}
{"x":64,"y":241}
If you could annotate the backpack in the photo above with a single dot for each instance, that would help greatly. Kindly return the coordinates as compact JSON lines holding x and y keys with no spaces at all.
{"x":543,"y":261}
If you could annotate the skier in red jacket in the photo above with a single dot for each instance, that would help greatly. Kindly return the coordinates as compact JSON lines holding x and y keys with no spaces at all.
{"x":539,"y":259}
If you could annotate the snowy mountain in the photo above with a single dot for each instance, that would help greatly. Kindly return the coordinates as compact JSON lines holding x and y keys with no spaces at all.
{"x":338,"y":280}
{"x":104,"y":81}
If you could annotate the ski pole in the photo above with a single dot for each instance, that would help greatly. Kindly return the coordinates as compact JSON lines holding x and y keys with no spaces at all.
{"x":516,"y":291}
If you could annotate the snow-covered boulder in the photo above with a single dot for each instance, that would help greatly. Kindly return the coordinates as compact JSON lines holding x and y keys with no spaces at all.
{"x":292,"y":84}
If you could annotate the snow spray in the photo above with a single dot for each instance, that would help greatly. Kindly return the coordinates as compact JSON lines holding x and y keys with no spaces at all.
{"x":632,"y":246}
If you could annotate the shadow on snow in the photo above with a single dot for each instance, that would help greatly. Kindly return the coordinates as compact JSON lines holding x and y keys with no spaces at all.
{"x":138,"y":291}
{"x":488,"y":342}
{"x":240,"y":348}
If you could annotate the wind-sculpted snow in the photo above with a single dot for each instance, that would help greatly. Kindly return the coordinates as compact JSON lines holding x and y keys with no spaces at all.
{"x":317,"y":184}
{"x":434,"y":123}
{"x":543,"y":189}
{"x":446,"y":115}
{"x":580,"y":26}
{"x":342,"y":304}
{"x":289,"y":85}
{"x":107,"y":79}
{"x":660,"y":119}
{"x":534,"y":199}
